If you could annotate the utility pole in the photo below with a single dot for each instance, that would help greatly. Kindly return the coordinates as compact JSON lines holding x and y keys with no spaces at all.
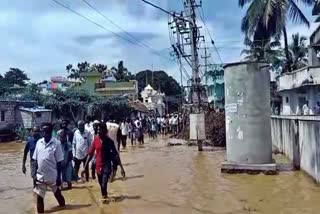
{"x":190,"y":7}
{"x":176,"y":52}
{"x":206,"y":57}
{"x":187,"y":33}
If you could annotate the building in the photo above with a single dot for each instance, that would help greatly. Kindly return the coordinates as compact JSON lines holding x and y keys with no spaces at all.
{"x":23,"y":114}
{"x":215,"y":86}
{"x":109,"y":89}
{"x":139,"y":109}
{"x":302,"y":86}
{"x":276,"y":99}
{"x":106,"y":85}
{"x":35,"y":116}
{"x":56,"y":82}
{"x":153,"y":100}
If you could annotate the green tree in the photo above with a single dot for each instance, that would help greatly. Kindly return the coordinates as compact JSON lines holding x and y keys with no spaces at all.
{"x":15,"y":76}
{"x":75,"y":73}
{"x":298,"y":51}
{"x":71,"y":104}
{"x":121,"y":73}
{"x":265,"y":19}
{"x":258,"y":50}
{"x":33,"y":92}
{"x":99,"y":67}
{"x":161,"y":82}
{"x":270,"y":52}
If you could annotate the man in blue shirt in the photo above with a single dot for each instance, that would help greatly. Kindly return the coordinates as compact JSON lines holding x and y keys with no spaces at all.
{"x":30,"y":147}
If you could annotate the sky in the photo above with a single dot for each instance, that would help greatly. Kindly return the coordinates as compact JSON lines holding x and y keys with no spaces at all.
{"x":41,"y":37}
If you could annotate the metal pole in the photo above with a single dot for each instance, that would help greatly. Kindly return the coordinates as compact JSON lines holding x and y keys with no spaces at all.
{"x":206,"y":64}
{"x":180,"y":67}
{"x":194,"y":53}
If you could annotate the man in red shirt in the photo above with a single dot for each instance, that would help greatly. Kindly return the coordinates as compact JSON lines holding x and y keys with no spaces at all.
{"x":106,"y":152}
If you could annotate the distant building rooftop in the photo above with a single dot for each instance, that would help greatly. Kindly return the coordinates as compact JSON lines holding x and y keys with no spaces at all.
{"x":58,"y":79}
{"x":139,"y":106}
{"x":35,"y":109}
{"x":91,"y":74}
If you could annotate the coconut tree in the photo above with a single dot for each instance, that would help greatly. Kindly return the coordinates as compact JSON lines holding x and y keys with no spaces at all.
{"x":262,"y":50}
{"x":270,"y":52}
{"x":298,"y":51}
{"x":265,"y":19}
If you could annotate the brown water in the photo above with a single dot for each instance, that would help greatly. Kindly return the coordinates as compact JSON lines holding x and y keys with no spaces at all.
{"x":167,"y":180}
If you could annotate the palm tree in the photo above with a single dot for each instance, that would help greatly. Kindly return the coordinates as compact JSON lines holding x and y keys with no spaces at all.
{"x":270,"y":52}
{"x":298,"y":51}
{"x":265,"y":19}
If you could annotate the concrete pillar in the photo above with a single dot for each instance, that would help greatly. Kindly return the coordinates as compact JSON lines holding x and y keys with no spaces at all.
{"x":248,"y":119}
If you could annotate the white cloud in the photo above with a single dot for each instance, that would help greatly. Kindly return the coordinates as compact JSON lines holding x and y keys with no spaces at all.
{"x":42,"y":37}
{"x":44,"y":43}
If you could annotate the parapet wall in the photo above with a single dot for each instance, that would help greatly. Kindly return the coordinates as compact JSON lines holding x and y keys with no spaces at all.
{"x":298,"y":137}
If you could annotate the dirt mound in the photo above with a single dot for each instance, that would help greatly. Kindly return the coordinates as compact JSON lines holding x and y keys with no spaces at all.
{"x":184,"y":134}
{"x":215,"y":129}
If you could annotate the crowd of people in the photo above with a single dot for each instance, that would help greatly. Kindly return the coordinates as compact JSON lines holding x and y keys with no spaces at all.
{"x":56,"y":155}
{"x":169,"y":124}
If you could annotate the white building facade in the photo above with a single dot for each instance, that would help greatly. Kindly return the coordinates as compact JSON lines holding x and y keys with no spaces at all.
{"x":153,"y":100}
{"x":299,"y":88}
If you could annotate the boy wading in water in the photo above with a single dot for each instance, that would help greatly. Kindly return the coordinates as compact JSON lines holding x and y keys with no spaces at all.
{"x":48,"y":158}
{"x":106,"y":152}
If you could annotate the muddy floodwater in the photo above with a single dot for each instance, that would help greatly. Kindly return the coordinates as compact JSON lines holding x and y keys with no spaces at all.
{"x":163,"y":179}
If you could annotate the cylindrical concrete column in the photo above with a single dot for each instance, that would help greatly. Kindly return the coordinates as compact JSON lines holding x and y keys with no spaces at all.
{"x":248,"y":121}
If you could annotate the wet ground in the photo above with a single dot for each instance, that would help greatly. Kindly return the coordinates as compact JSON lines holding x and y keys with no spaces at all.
{"x":163,"y":179}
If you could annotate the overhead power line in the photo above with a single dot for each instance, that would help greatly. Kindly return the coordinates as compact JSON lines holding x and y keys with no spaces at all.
{"x":208,"y":31}
{"x":156,"y":6}
{"x":165,"y":11}
{"x":119,"y":27}
{"x":104,"y":28}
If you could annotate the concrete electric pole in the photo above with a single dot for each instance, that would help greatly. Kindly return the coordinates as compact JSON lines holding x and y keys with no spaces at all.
{"x":187,"y":34}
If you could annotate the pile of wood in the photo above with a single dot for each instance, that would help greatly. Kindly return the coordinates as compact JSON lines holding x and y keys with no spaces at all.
{"x":215,"y":129}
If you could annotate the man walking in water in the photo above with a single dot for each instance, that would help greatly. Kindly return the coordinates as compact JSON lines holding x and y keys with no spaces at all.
{"x":106,"y":153}
{"x":30,"y":147}
{"x":48,"y":157}
{"x":82,"y":140}
{"x":124,"y":132}
{"x":64,"y":126}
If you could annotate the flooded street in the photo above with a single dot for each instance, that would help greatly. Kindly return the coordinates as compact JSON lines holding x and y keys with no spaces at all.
{"x":163,"y":179}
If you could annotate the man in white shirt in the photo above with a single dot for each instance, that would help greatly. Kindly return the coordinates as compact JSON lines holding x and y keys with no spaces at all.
{"x":113,"y":129}
{"x":89,"y":125}
{"x":82,"y":140}
{"x":163,"y":125}
{"x":47,"y":157}
{"x":175,"y":124}
{"x":124,"y":132}
{"x":305,"y":109}
{"x":92,"y":128}
{"x":171,"y":124}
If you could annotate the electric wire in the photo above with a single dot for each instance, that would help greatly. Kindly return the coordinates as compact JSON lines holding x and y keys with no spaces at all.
{"x":104,"y":28}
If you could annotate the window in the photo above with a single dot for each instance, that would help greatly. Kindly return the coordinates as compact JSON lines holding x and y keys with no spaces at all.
{"x":3,"y":118}
{"x":38,"y":114}
{"x":287,"y":99}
